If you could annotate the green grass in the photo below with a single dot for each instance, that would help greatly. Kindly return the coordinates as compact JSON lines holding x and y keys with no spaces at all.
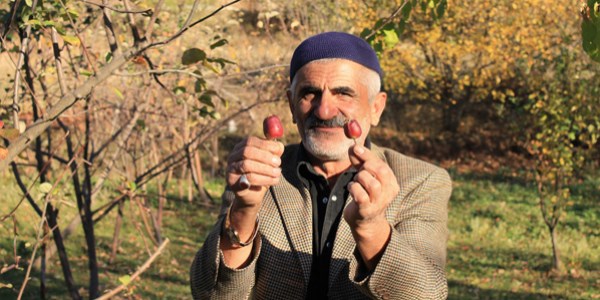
{"x":185,"y":224}
{"x":498,"y":248}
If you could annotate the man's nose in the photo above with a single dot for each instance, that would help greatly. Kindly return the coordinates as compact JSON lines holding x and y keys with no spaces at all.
{"x":326,"y":107}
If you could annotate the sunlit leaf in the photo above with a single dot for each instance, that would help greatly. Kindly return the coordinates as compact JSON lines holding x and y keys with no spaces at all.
{"x":209,"y":66}
{"x":34,"y":22}
{"x":71,"y":40}
{"x":45,"y":187}
{"x":125,"y":279}
{"x":86,"y":72}
{"x":132,"y":186}
{"x":390,"y":38}
{"x":6,"y":285}
{"x":118,"y":93}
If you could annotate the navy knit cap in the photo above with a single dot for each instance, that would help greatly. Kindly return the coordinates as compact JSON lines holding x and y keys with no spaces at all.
{"x":334,"y":45}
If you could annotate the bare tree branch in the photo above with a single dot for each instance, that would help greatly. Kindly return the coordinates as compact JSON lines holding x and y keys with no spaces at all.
{"x":80,"y":92}
{"x":42,"y":221}
{"x":22,"y":50}
{"x":387,"y":20}
{"x":125,"y":11}
{"x":137,"y":273}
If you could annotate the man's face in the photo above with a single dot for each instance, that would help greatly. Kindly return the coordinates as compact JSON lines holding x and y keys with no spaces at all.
{"x":327,"y":94}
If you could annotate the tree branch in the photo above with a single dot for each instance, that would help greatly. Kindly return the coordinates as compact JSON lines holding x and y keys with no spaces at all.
{"x":387,"y":20}
{"x":80,"y":92}
{"x":125,"y":11}
{"x":137,"y":274}
{"x":22,"y":50}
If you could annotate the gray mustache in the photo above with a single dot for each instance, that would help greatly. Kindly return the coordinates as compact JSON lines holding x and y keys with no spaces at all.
{"x":313,"y":121}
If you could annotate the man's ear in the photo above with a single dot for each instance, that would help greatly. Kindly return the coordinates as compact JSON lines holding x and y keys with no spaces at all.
{"x":377,"y":107}
{"x":290,"y":103}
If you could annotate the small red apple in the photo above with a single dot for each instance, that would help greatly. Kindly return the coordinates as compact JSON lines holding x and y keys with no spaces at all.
{"x":352,"y":130}
{"x":272,"y":127}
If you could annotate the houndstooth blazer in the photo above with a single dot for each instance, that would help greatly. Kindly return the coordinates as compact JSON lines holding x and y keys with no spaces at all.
{"x":411,"y":267}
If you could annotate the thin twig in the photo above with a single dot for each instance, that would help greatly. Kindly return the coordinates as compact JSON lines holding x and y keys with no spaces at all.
{"x":9,"y":21}
{"x":137,"y":273}
{"x":134,"y":30}
{"x":110,"y":32}
{"x":120,"y":142}
{"x":83,"y":47}
{"x":58,"y":62}
{"x":166,"y":71}
{"x":24,"y":45}
{"x":33,"y":131}
{"x":187,"y":27}
{"x":150,"y":26}
{"x":387,"y":20}
{"x":125,"y":11}
{"x":173,"y":158}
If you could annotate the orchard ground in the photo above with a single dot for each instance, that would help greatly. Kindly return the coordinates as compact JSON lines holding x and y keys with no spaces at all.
{"x":499,"y":247}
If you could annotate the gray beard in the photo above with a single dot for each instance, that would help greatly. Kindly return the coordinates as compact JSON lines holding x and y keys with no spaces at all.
{"x":335,"y":153}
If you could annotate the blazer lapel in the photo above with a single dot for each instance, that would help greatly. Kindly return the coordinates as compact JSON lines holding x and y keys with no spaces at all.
{"x":294,"y":205}
{"x":342,"y":248}
{"x":344,"y":241}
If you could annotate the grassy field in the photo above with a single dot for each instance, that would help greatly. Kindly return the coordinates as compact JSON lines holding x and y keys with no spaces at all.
{"x":498,"y":248}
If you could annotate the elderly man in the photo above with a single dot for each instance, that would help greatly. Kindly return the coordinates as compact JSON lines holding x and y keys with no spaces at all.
{"x":332,"y":217}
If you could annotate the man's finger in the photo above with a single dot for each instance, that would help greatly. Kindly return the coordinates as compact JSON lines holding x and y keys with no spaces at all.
{"x":370,"y":184}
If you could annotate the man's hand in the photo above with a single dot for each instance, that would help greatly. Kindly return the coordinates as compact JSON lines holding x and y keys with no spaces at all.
{"x":260,"y":161}
{"x":373,"y":189}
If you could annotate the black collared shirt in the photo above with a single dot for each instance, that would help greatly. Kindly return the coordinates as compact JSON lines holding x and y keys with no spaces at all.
{"x":328,"y":206}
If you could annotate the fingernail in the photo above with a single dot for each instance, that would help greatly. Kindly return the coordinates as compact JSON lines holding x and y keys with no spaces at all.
{"x":276,"y":160}
{"x":359,"y":149}
{"x":277,"y":171}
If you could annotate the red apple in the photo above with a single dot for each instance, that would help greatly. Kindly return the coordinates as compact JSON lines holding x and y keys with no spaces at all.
{"x":272,"y":127}
{"x":352,"y":129}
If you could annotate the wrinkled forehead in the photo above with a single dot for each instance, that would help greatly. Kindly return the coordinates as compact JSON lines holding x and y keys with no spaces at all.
{"x":332,"y":71}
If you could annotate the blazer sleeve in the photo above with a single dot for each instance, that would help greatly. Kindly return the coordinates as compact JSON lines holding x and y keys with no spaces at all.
{"x":413,"y":263}
{"x":210,"y":277}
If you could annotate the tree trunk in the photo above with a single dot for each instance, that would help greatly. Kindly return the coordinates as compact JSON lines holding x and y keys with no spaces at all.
{"x":557,"y":264}
{"x":196,"y":166}
{"x":115,"y":241}
{"x":162,"y":197}
{"x":87,"y":221}
{"x":452,"y":116}
{"x":215,"y":156}
{"x":43,"y":265}
{"x":87,"y":218}
{"x":62,"y":254}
